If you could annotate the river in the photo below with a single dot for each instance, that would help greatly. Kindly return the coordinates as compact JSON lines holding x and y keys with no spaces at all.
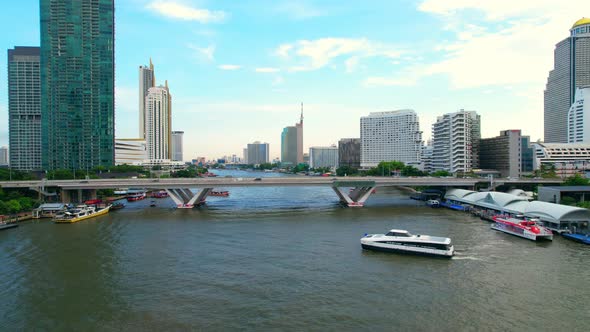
{"x":284,"y":259}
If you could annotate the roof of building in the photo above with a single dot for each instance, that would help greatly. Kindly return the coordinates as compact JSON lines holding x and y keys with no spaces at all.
{"x":582,"y":21}
{"x":567,"y":188}
{"x":516,"y":204}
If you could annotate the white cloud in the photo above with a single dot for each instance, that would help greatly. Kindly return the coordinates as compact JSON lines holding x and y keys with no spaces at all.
{"x":316,"y":54}
{"x":175,"y":10}
{"x":517,"y":50}
{"x":229,"y":67}
{"x":298,"y":10}
{"x":208,"y":53}
{"x":267,"y":70}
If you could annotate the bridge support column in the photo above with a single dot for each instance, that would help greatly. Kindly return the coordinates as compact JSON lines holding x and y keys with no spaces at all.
{"x":356,"y":197}
{"x":186,"y":199}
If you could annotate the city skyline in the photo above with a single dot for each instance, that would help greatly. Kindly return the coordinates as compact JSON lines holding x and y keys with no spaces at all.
{"x":434,"y":57}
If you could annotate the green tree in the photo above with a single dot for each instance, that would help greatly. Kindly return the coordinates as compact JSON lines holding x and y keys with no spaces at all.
{"x":576,"y":180}
{"x":441,"y":174}
{"x":346,"y":170}
{"x":60,"y":174}
{"x":13,"y":206}
{"x":566,"y":200}
{"x":411,"y":171}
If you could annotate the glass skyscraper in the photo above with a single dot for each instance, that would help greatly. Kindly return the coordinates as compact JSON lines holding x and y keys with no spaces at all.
{"x":77,"y":83}
{"x":24,"y":108}
{"x":571,"y":70}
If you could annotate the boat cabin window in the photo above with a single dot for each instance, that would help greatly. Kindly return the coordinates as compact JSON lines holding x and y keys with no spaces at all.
{"x":398,"y":234}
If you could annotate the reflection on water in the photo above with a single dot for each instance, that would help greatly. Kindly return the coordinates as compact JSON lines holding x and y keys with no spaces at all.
{"x":284,"y":258}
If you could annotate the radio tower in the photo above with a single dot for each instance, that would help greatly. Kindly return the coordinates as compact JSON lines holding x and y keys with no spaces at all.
{"x":301,"y":121}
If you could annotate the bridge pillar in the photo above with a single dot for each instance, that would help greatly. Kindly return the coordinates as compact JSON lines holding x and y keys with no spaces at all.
{"x":356,"y":197}
{"x":186,"y":199}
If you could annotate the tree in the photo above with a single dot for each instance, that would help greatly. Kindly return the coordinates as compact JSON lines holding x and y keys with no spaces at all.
{"x":576,"y":180}
{"x":411,"y":171}
{"x":566,"y":200}
{"x":346,"y":170}
{"x":441,"y":174}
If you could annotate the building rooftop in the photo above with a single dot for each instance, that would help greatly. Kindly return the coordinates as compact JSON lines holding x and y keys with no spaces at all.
{"x":582,"y":21}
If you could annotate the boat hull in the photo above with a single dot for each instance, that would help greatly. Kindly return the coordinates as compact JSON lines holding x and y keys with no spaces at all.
{"x":77,"y":219}
{"x":577,"y":237}
{"x":520,"y":233}
{"x":409,"y":250}
{"x":7,"y":226}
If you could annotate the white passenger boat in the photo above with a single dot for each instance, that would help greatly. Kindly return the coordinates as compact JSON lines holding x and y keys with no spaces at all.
{"x":79,"y":213}
{"x":398,"y":240}
{"x":519,"y":226}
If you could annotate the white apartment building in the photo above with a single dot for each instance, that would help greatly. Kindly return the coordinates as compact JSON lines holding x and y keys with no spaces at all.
{"x":568,"y":158}
{"x":158,"y":122}
{"x":323,"y":156}
{"x":579,"y":117}
{"x":147,"y":80}
{"x":390,"y":136}
{"x":455,"y":141}
{"x":130,"y":151}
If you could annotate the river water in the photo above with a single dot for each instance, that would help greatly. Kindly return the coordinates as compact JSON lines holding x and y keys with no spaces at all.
{"x":285,"y":259}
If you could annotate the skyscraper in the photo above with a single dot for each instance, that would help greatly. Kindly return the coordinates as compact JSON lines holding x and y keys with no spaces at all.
{"x":257,"y":153}
{"x":147,"y":80}
{"x":502,"y":153}
{"x":390,"y":136}
{"x":571,"y":70}
{"x":323,"y":156}
{"x":77,"y":83}
{"x":24,"y":108}
{"x":158,"y":122}
{"x":176,"y":145}
{"x":455,"y":141}
{"x":578,"y":130}
{"x":292,"y":143}
{"x":4,"y":156}
{"x":349,"y":152}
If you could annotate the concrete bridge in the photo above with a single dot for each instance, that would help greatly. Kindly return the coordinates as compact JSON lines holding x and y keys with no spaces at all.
{"x":352,"y":191}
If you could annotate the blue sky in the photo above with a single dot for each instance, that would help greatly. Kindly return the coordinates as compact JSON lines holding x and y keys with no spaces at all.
{"x":238,"y":70}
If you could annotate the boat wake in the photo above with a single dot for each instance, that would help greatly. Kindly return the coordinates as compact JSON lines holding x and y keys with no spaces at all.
{"x":470,"y":258}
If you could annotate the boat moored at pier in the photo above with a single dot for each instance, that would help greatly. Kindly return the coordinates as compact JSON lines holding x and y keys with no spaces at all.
{"x":397,"y":240}
{"x":137,"y":196}
{"x":522,"y":227}
{"x":79,"y":213}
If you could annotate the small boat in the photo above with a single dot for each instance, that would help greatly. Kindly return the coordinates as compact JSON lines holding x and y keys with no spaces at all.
{"x":4,"y":225}
{"x":433,"y":203}
{"x":160,"y":194}
{"x":522,"y":227}
{"x":222,"y":193}
{"x":93,"y":201}
{"x":117,"y":206}
{"x":398,"y":240}
{"x":582,"y":238}
{"x":135,"y":196}
{"x":152,"y":203}
{"x":79,"y":213}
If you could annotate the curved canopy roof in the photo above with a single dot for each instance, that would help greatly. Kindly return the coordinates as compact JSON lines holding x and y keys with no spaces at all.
{"x":519,"y":205}
{"x":582,"y":21}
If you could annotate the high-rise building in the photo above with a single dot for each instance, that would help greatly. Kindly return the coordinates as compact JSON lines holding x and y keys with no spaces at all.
{"x":292,"y":143}
{"x":130,"y":151}
{"x":158,"y":122}
{"x":502,"y":153}
{"x":349,"y":152}
{"x":390,"y":136}
{"x":527,"y":155}
{"x":258,"y":153}
{"x":245,"y":156}
{"x":455,"y":141}
{"x":323,"y":156}
{"x":4,"y":156}
{"x":24,"y":108}
{"x":427,"y":151}
{"x":77,"y":83}
{"x":578,"y":130}
{"x":571,"y":70}
{"x":176,"y":145}
{"x":147,"y":80}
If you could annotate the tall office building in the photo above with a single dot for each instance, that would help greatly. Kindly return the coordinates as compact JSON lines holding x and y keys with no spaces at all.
{"x":292,"y":143}
{"x":24,"y":108}
{"x":176,"y":145}
{"x":578,"y":130}
{"x":77,"y":83}
{"x":323,"y":156}
{"x":147,"y":80}
{"x":258,"y":153}
{"x":4,"y":156}
{"x":571,"y":70}
{"x":158,"y":122}
{"x":390,"y":136}
{"x":349,"y":152}
{"x":455,"y":142}
{"x":245,"y":156}
{"x":502,"y":153}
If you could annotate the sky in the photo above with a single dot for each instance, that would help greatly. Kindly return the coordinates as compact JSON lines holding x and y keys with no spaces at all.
{"x":239,"y":70}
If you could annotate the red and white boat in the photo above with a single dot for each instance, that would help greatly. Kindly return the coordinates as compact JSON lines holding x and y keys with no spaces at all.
{"x":131,"y":197}
{"x":520,"y":226}
{"x":222,"y":193}
{"x":160,"y":194}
